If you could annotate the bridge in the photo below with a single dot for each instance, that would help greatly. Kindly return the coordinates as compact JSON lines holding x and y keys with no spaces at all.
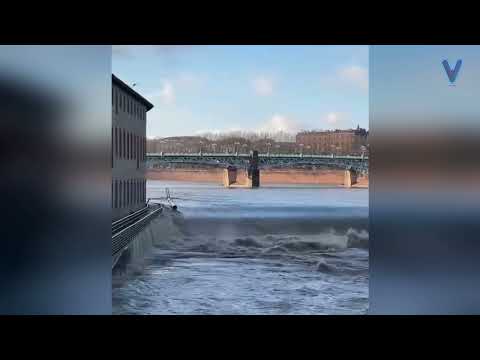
{"x":358,"y":164}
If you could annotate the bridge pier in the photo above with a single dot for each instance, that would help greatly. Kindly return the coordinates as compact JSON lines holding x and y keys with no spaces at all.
{"x":253,"y":173}
{"x":229,"y":176}
{"x":350,"y":178}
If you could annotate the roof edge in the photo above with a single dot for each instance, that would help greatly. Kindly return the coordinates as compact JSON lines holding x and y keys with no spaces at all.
{"x":132,"y":92}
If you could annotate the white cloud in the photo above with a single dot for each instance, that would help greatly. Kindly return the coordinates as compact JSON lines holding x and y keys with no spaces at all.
{"x":263,"y":86}
{"x":167,"y":93}
{"x":335,"y":118}
{"x":172,"y":88}
{"x":218,"y":131}
{"x":280,"y":123}
{"x":355,"y":75}
{"x":332,"y":118}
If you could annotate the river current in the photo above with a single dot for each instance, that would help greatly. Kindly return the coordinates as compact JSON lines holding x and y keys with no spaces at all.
{"x":272,"y":250}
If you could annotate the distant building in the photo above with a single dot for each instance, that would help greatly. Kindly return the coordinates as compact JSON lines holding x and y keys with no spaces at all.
{"x":339,"y":142}
{"x":128,"y":156}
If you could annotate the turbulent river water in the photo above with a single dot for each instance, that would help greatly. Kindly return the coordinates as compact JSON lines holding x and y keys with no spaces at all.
{"x":272,"y":250}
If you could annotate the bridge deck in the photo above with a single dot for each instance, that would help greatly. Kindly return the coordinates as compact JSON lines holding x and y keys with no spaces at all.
{"x":246,"y":156}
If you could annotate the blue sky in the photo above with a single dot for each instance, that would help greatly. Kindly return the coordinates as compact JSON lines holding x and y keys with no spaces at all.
{"x":410,"y":88}
{"x":253,"y":88}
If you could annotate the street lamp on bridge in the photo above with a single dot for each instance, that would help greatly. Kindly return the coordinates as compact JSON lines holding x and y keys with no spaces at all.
{"x":363,"y":148}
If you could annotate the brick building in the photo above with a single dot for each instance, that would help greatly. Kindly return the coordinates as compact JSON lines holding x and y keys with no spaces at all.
{"x":339,"y":142}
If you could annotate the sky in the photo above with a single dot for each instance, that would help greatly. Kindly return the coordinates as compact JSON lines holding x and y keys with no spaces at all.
{"x":410,"y":88}
{"x":211,"y":88}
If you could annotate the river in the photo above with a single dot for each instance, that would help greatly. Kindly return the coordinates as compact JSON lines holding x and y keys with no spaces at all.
{"x":272,"y":250}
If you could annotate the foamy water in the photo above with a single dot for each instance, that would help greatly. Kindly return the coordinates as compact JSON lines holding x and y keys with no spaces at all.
{"x":273,"y":250}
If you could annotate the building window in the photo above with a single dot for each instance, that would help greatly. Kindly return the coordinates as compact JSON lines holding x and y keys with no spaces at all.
{"x":121,"y":201}
{"x":131,"y":147}
{"x":128,"y":145}
{"x":124,"y":144}
{"x":120,"y":142}
{"x":130,"y":194}
{"x":125,"y":193}
{"x":115,"y":192}
{"x":120,"y":194}
{"x":116,"y":142}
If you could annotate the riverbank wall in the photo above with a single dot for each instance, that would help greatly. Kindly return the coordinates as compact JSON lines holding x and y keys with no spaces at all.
{"x":267,"y":176}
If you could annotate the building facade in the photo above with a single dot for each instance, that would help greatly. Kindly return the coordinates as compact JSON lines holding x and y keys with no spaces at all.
{"x":128,"y":150}
{"x":339,"y":142}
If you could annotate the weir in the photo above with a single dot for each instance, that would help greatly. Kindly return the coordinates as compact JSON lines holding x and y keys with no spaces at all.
{"x":126,"y":230}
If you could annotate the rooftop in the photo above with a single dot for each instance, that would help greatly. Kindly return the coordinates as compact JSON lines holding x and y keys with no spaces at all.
{"x":132,"y":92}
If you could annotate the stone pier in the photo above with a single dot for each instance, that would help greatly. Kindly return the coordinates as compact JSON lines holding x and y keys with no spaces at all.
{"x":229,"y":176}
{"x":251,"y":178}
{"x":253,"y":172}
{"x":350,"y":178}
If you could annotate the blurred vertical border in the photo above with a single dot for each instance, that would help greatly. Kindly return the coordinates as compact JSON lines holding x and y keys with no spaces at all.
{"x":424,"y":194}
{"x":55,"y":124}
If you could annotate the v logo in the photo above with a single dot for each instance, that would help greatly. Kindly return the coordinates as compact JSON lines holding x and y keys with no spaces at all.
{"x":452,"y":74}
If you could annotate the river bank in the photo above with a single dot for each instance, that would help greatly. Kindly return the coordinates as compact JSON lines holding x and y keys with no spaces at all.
{"x":268,"y":176}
